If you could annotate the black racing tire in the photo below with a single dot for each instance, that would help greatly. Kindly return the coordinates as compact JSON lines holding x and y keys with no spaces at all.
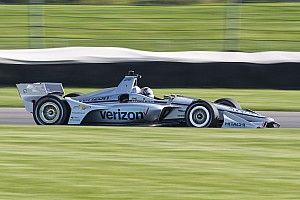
{"x":73,"y":94}
{"x":228,"y":102}
{"x":201,"y":114}
{"x":51,"y":110}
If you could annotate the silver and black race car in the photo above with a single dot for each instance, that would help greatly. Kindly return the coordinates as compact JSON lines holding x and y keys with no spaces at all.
{"x":127,"y":105}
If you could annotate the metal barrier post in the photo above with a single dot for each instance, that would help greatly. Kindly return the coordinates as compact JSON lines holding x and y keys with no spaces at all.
{"x":232,"y":26}
{"x":36,"y":24}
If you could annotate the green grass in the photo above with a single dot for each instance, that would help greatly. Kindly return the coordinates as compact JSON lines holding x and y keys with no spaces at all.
{"x":263,"y":26}
{"x":148,"y":163}
{"x":278,"y":100}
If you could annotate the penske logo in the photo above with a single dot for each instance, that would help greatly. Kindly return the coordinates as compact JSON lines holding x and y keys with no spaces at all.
{"x":121,"y":115}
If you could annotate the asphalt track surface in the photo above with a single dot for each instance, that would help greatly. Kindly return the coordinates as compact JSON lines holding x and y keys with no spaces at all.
{"x":18,"y":116}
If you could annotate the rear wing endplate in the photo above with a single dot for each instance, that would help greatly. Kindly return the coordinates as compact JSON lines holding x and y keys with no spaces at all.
{"x":31,"y":92}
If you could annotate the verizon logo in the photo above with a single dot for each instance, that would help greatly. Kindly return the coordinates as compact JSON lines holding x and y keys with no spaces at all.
{"x":119,"y":115}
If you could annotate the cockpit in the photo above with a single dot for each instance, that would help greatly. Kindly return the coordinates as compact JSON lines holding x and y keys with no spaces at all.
{"x":129,"y":85}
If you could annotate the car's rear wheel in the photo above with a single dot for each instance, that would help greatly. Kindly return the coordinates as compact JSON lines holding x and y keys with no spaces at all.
{"x":228,"y":102}
{"x":51,"y":110}
{"x":73,"y":94}
{"x":202,"y":114}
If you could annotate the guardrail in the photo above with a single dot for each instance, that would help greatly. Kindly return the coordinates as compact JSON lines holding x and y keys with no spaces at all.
{"x":103,"y":67}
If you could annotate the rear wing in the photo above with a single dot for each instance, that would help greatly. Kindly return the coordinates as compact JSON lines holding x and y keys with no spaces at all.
{"x":31,"y":92}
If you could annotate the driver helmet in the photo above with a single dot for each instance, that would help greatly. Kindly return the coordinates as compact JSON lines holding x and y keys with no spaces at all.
{"x":147,"y":92}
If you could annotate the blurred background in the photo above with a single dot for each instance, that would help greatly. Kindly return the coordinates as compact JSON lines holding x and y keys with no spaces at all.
{"x":141,"y":162}
{"x":153,"y":25}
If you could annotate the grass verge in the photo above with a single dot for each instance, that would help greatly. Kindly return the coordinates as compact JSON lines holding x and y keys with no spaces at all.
{"x":148,"y":163}
{"x":278,"y":100}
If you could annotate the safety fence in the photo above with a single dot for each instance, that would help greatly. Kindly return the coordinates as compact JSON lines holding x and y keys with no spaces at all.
{"x":206,"y":27}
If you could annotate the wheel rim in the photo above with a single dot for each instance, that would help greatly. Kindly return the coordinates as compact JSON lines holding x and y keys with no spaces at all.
{"x":199,"y":116}
{"x":49,"y":112}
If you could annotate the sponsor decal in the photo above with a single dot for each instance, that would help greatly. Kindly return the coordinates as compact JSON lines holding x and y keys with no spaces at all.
{"x":127,"y":79}
{"x":81,"y":107}
{"x":78,"y":113}
{"x":144,"y":100}
{"x":122,"y":115}
{"x":235,"y":124}
{"x":105,"y":98}
{"x":34,"y":89}
{"x":75,"y":119}
{"x":242,"y":111}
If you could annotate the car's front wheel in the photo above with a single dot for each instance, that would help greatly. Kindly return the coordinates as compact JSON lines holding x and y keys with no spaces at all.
{"x":228,"y":102}
{"x":202,"y":114}
{"x":51,"y":110}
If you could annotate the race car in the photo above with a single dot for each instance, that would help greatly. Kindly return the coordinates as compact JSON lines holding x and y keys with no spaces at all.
{"x":128,"y":104}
